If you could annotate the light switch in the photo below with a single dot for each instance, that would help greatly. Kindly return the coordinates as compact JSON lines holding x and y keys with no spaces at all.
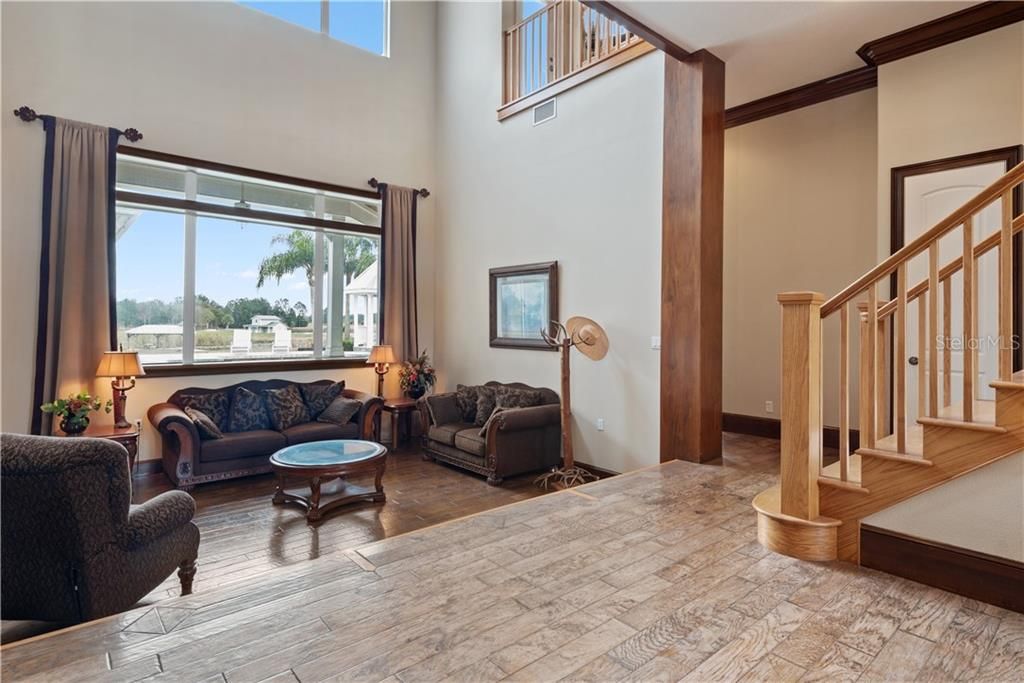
{"x":655,"y":343}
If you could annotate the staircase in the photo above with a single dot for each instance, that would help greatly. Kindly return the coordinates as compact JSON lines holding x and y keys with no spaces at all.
{"x":815,"y":511}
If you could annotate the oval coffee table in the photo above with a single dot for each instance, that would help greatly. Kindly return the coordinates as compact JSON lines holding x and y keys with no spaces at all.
{"x":324,"y":464}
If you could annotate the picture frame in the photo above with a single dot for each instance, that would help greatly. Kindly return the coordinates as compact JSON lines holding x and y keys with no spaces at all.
{"x":523,"y":301}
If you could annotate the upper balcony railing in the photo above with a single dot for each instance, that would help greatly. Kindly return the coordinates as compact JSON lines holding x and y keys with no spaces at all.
{"x":557,"y":41}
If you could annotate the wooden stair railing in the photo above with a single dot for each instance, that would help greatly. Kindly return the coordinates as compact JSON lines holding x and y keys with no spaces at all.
{"x":811,"y":514}
{"x":559,"y":40}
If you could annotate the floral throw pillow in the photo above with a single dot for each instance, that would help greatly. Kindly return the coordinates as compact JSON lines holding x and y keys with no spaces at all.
{"x":213,"y":404}
{"x":341,"y":411}
{"x":510,"y":397}
{"x":286,"y":407}
{"x":319,"y":396}
{"x":248,"y":412}
{"x":204,"y":425}
{"x":466,"y":397}
{"x":484,"y":405}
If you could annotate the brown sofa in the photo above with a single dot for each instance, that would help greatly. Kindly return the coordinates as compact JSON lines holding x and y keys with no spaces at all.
{"x":189,"y":460}
{"x":515,"y":441}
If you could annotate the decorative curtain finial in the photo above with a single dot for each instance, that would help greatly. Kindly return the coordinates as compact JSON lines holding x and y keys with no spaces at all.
{"x":26,"y":114}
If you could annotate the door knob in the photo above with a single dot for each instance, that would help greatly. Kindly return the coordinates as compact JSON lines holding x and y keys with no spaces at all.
{"x":913,"y":360}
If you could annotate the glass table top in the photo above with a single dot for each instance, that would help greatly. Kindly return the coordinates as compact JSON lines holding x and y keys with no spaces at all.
{"x":325,"y":453}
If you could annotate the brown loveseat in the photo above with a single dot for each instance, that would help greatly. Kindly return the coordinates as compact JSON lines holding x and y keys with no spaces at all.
{"x":513,"y":441}
{"x":189,"y":460}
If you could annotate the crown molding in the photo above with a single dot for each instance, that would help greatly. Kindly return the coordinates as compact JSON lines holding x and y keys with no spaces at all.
{"x":864,"y":78}
{"x":951,"y":28}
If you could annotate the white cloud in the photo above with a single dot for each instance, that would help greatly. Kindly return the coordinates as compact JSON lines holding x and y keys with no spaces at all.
{"x":248,"y":274}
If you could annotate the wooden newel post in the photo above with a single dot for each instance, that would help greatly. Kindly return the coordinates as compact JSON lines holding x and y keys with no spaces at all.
{"x":801,"y":403}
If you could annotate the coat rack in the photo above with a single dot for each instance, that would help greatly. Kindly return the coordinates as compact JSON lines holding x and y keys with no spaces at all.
{"x":590,"y":339}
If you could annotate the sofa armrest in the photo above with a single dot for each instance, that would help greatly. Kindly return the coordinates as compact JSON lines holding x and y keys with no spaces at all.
{"x":443,"y":409}
{"x":164,"y":416}
{"x":158,"y":517}
{"x":368,"y":416}
{"x":517,"y":419}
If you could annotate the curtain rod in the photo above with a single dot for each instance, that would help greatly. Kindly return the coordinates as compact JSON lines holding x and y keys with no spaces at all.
{"x":423,"y":192}
{"x":28,"y":114}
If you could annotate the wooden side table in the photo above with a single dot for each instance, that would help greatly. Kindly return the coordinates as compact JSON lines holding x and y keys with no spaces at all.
{"x":126,"y":436}
{"x":401,"y":410}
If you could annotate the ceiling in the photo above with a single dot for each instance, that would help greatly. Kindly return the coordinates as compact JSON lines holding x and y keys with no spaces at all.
{"x":769,"y":47}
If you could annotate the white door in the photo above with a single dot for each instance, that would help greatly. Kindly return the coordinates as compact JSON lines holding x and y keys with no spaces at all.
{"x":928,"y":198}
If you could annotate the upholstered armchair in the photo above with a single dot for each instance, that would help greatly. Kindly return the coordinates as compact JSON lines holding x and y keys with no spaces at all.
{"x":74,"y":547}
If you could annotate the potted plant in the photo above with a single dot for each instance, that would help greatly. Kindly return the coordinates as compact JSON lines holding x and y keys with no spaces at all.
{"x":417,"y":376}
{"x":74,"y":410}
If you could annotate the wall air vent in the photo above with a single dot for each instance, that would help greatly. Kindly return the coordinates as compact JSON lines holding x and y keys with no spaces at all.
{"x":545,"y":111}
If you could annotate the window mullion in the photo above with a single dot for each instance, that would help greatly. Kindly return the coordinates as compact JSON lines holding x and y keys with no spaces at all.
{"x":318,"y":280}
{"x":188,"y":310}
{"x":325,"y":17}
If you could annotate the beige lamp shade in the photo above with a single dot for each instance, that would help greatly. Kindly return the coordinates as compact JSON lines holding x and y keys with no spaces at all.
{"x":382,"y":354}
{"x":120,"y":364}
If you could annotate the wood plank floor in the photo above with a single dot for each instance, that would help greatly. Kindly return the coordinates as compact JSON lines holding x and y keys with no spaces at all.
{"x":653,"y":575}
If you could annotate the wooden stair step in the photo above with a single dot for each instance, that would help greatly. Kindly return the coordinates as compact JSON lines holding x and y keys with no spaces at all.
{"x":888,"y":445}
{"x":909,"y":458}
{"x":1015,"y":383}
{"x":952,"y":416}
{"x":830,"y":475}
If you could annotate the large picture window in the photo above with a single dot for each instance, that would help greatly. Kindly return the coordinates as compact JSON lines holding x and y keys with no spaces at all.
{"x":363,"y":23}
{"x":220,"y":266}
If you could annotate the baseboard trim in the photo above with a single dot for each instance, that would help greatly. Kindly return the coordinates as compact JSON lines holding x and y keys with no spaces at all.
{"x":600,"y":472}
{"x":979,"y":576}
{"x":771,"y":428}
{"x":144,"y":468}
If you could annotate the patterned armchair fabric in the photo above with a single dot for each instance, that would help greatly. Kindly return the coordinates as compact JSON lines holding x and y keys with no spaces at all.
{"x":74,"y":547}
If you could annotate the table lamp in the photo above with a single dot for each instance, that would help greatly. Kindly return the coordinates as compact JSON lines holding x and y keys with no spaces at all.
{"x":124,"y":367}
{"x":381,"y":356}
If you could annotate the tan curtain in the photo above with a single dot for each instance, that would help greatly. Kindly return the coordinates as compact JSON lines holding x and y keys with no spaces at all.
{"x":76,"y":321}
{"x":398,"y":284}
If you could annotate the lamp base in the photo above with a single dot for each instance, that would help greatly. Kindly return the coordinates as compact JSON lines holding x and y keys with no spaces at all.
{"x":120,"y":401}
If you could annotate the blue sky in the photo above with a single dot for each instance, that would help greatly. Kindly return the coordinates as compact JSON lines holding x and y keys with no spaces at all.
{"x":357,"y":23}
{"x":151,"y":261}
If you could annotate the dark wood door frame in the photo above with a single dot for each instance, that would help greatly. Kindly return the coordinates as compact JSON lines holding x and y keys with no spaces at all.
{"x":1010,"y":156}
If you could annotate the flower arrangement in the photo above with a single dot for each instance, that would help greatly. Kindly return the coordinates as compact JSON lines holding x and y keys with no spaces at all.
{"x":417,"y":376}
{"x":74,"y":411}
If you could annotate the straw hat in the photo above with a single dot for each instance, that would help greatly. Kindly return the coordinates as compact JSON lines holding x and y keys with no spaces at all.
{"x":593,"y":342}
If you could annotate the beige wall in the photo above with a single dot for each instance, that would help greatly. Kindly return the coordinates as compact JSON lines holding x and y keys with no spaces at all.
{"x":583,"y":189}
{"x":216,"y":81}
{"x":961,"y":98}
{"x":799,"y":215}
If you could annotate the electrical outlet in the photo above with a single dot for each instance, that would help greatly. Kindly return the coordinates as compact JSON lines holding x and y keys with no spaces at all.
{"x":600,"y":424}
{"x":769,"y":407}
{"x":655,"y":343}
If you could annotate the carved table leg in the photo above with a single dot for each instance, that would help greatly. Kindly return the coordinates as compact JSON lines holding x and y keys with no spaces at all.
{"x":313,"y":514}
{"x":379,"y":479}
{"x":279,"y":493}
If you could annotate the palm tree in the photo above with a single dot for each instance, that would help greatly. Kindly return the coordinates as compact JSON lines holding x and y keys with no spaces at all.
{"x":359,"y":254}
{"x":297,"y":256}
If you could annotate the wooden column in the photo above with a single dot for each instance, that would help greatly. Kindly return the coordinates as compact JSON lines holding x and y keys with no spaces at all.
{"x":801,"y":403}
{"x":691,"y":258}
